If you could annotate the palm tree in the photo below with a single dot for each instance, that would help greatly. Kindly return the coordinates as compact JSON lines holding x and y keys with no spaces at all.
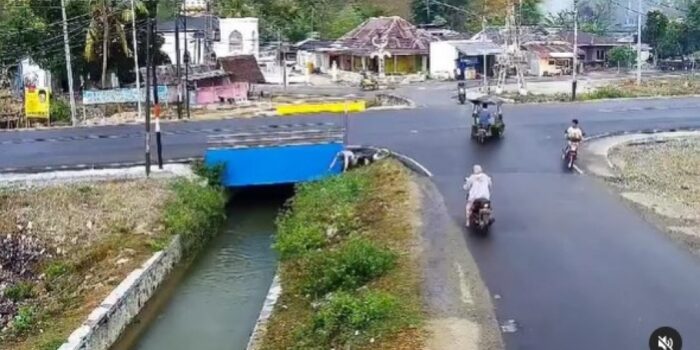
{"x":107,"y":23}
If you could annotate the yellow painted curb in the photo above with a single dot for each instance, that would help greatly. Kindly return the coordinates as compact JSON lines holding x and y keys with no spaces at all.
{"x":334,"y":107}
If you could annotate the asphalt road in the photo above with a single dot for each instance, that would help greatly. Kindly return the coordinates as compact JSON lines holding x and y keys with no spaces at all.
{"x":574,"y":265}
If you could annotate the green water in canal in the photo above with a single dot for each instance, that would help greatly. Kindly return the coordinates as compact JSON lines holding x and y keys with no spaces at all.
{"x":215,"y":302}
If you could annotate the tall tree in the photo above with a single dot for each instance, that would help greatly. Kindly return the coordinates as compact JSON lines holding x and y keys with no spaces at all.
{"x":106,"y":28}
{"x":530,"y":12}
{"x":654,"y":29}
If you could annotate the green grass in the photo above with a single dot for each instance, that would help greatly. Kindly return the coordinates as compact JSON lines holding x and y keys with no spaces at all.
{"x":20,"y":291}
{"x":196,"y":211}
{"x":347,"y":273}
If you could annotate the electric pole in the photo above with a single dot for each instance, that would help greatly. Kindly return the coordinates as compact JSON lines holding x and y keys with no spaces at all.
{"x":639,"y":42}
{"x":69,"y":69}
{"x":187,"y":68}
{"x":177,"y":64}
{"x":148,"y":97}
{"x":575,"y":59}
{"x":486,"y":64}
{"x":136,"y":59}
{"x":427,"y":9}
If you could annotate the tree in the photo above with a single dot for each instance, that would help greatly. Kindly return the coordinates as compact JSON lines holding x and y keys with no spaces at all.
{"x":594,"y":16}
{"x":236,"y":8}
{"x":106,"y":28}
{"x":674,"y":41}
{"x":654,"y":29}
{"x":531,"y":12}
{"x":622,"y":56}
{"x":346,"y":20}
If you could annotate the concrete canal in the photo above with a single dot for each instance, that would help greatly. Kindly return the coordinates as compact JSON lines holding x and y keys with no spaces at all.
{"x":215,"y":301}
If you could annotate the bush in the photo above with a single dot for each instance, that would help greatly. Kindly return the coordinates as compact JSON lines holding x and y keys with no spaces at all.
{"x":344,"y":314}
{"x":20,"y":291}
{"x":195,"y":212}
{"x":59,"y":111}
{"x":603,"y":93}
{"x":355,"y":263}
{"x":213,"y":173}
{"x":56,"y":269}
{"x":24,"y":320}
{"x":318,"y":207}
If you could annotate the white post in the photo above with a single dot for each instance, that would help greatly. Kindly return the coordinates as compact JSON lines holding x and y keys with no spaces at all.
{"x":136,"y":58}
{"x":639,"y":42}
{"x":69,"y":69}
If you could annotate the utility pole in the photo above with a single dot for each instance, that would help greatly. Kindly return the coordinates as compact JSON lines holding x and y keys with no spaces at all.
{"x":156,"y":105}
{"x":136,"y":59}
{"x":427,"y":9}
{"x":283,"y":59}
{"x":575,"y":60}
{"x":639,"y":42}
{"x":148,"y":97}
{"x":187,"y":69}
{"x":69,"y":69}
{"x":178,"y":71}
{"x":486,"y":64}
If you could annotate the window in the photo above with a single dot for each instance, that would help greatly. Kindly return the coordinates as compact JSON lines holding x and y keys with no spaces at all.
{"x":600,"y":55}
{"x":551,"y":62}
{"x":235,"y":42}
{"x":254,"y":39}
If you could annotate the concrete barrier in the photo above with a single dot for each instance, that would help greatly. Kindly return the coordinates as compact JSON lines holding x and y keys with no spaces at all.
{"x":330,"y":107}
{"x":107,"y":322}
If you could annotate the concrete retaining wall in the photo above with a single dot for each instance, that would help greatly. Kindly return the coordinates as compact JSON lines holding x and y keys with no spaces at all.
{"x":255,"y":341}
{"x":107,"y":322}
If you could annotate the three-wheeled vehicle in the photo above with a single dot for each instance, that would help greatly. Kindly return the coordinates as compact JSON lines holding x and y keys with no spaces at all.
{"x":481,"y":132}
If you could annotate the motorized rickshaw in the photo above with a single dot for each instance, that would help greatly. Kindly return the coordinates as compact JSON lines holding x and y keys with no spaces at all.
{"x":497,"y":128}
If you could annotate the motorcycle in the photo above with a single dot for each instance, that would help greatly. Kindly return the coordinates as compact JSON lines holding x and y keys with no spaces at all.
{"x":481,"y":217}
{"x":462,"y":93}
{"x":571,"y":154}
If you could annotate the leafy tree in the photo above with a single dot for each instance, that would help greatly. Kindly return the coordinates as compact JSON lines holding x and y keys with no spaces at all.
{"x":622,"y":56}
{"x":674,"y":41}
{"x":236,"y":8}
{"x":531,"y":12}
{"x":594,"y":16}
{"x":346,"y":20}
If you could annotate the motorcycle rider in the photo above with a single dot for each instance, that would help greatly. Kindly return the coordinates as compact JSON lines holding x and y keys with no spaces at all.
{"x":573,"y":134}
{"x":478,"y":185}
{"x":485,"y":117}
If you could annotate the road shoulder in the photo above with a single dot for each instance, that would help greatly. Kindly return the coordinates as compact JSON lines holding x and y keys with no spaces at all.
{"x":460,"y":313}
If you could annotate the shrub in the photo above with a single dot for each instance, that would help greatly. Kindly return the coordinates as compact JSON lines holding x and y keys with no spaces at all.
{"x":25,"y":319}
{"x":59,"y":111}
{"x":20,"y":291}
{"x":213,"y":173}
{"x":195,"y":212}
{"x":604,"y":92}
{"x":330,"y":204}
{"x":355,"y":263}
{"x":336,"y":322}
{"x":51,"y":344}
{"x":56,"y":269}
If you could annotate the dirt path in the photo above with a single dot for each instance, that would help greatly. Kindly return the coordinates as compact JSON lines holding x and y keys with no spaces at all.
{"x":460,"y":312}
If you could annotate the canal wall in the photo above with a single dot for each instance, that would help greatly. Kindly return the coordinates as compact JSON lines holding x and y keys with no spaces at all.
{"x":106,"y":323}
{"x":258,"y":333}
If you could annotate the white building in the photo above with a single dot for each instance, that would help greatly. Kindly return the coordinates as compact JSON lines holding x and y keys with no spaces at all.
{"x":446,"y":56}
{"x":208,"y":37}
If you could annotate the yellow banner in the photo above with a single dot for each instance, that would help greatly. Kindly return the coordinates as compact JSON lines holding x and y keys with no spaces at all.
{"x":335,"y":107}
{"x":37,"y":103}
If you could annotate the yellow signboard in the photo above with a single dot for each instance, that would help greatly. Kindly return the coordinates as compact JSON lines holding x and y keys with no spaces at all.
{"x":36,"y":103}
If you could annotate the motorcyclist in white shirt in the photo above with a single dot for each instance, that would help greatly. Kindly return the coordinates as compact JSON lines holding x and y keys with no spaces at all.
{"x":478,"y":185}
{"x":573,"y":134}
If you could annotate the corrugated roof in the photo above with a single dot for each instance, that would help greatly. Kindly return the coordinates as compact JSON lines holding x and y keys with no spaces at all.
{"x":589,"y":39}
{"x":477,"y":48}
{"x":402,"y":36}
{"x":551,"y":49}
{"x":242,"y":68}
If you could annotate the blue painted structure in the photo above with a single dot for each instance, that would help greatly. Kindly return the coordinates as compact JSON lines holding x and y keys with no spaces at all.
{"x":277,"y":154}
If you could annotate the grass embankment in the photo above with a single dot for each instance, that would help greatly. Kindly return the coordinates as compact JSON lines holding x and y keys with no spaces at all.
{"x":664,"y":178}
{"x":349,"y":275}
{"x":63,"y":249}
{"x":624,"y":89}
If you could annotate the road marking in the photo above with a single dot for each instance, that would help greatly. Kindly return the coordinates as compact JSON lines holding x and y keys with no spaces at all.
{"x":578,"y":170}
{"x":466,"y":294}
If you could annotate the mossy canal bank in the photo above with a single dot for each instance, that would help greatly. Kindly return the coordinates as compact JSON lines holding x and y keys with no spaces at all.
{"x":65,"y":248}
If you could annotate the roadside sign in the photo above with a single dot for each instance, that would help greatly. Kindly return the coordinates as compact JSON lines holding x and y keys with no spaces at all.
{"x":37,"y":103}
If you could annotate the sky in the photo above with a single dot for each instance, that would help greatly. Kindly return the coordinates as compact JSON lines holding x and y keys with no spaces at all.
{"x":555,"y":6}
